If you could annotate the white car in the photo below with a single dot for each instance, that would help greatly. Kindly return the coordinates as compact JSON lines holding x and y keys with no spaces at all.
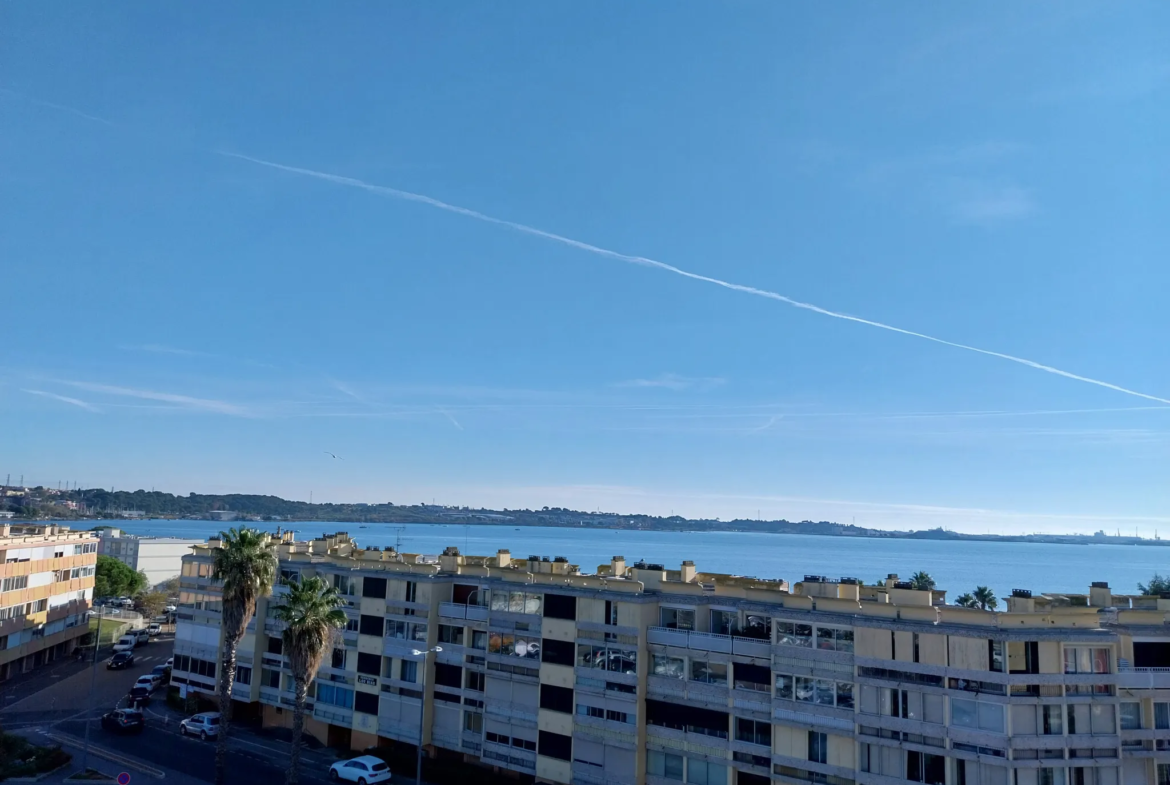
{"x":148,"y":680}
{"x":364,"y":770}
{"x":205,"y":726}
{"x":126,"y":643}
{"x":154,"y":629}
{"x":170,"y":662}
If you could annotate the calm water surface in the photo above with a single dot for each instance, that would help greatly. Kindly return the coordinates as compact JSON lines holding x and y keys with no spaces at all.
{"x":957,"y":567}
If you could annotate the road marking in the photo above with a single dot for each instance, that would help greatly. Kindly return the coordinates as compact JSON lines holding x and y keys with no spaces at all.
{"x":110,"y":756}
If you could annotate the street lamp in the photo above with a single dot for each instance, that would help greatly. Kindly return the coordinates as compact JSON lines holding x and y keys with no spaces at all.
{"x":92,"y":684}
{"x":422,"y":705}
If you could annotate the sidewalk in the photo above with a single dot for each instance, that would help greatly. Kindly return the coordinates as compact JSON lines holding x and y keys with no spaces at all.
{"x":104,"y":760}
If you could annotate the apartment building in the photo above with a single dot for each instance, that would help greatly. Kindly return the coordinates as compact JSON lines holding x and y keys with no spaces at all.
{"x":642,"y":675}
{"x":158,"y":558}
{"x":46,"y":586}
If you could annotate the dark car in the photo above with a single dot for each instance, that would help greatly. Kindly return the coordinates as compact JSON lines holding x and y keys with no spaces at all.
{"x":162,"y":671}
{"x":139,"y":696}
{"x":123,"y":721}
{"x":123,"y":659}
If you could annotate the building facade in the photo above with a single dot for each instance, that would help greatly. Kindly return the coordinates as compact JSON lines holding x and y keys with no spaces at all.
{"x":46,"y":587}
{"x":641,"y":675}
{"x":159,"y":558}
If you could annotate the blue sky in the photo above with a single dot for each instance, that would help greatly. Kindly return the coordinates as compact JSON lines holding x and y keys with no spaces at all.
{"x":180,"y":317}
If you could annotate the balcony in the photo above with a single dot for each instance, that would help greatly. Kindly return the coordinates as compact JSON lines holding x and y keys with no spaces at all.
{"x":710,"y":641}
{"x":457,"y":610}
{"x":1143,"y":678}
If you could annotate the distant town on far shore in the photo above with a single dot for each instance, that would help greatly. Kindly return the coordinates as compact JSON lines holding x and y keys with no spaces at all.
{"x":32,"y":503}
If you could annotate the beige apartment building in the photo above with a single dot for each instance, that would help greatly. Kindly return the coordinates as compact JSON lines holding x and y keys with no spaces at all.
{"x":642,"y":675}
{"x":46,"y":587}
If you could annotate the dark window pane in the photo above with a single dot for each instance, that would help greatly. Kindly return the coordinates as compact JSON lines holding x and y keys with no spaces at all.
{"x":560,"y":606}
{"x":374,"y":587}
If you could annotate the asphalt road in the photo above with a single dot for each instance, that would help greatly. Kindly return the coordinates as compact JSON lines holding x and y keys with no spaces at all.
{"x":62,"y":708}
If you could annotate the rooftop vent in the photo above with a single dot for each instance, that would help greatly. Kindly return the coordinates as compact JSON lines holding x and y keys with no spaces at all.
{"x":893,"y":576}
{"x":851,"y":581}
{"x":544,"y":558}
{"x":1100,"y":584}
{"x":1024,"y":593}
{"x":815,"y":579}
{"x":658,"y":567}
{"x":903,"y":585}
{"x":533,"y":558}
{"x":560,"y":560}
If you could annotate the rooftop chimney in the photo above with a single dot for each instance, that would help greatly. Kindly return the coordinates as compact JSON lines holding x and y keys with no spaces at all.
{"x":617,"y":566}
{"x":687,"y":573}
{"x":503,"y":558}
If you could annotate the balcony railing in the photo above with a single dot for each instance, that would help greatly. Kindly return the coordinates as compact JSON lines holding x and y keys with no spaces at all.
{"x":710,"y":641}
{"x":457,"y":610}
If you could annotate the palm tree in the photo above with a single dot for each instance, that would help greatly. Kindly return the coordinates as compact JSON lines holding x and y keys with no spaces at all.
{"x":965,"y":600}
{"x":985,"y":598}
{"x":922,"y":581}
{"x":312,"y":614}
{"x":246,"y":567}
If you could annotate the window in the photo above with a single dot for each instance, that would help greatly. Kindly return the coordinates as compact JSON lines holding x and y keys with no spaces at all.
{"x":516,"y":602}
{"x":926,"y":768}
{"x":1052,"y":720}
{"x":756,"y":626}
{"x":805,"y":689}
{"x":556,"y":698}
{"x":374,"y":587}
{"x":557,"y":652}
{"x":619,"y":716}
{"x":275,"y":646}
{"x":977,"y":714}
{"x":753,"y":677}
{"x":709,"y":672}
{"x":664,"y":764}
{"x":268,"y":677}
{"x":290,"y":576}
{"x":591,"y":711}
{"x":1048,"y":776}
{"x":1131,"y":716}
{"x":409,"y":671}
{"x":14,"y":583}
{"x":334,"y":695}
{"x":338,"y":659}
{"x":724,"y":622}
{"x":791,"y":634}
{"x":610,"y":613}
{"x":676,"y":618}
{"x":1082,"y":659}
{"x":411,"y":591}
{"x":556,"y":745}
{"x":449,"y":633}
{"x":608,"y":658}
{"x":366,"y":703}
{"x":473,"y":722}
{"x":474,"y":681}
{"x":1164,"y":774}
{"x":345,"y":584}
{"x":369,"y":664}
{"x":243,"y":674}
{"x":448,"y":675}
{"x":351,"y":624}
{"x":818,"y":747}
{"x":995,"y":658}
{"x":371,"y":625}
{"x":1162,"y":716}
{"x":833,"y":639}
{"x":560,"y":606}
{"x":670,"y":667}
{"x":755,"y":732}
{"x":701,"y":772}
{"x":691,"y":719}
{"x":513,"y":645}
{"x":479,"y":639}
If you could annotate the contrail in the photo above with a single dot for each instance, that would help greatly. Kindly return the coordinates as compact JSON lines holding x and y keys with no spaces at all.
{"x":58,"y":107}
{"x":641,"y":260}
{"x":450,"y":417}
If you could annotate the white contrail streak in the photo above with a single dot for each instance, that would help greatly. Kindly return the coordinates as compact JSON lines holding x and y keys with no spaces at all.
{"x":641,"y":260}
{"x":64,"y":399}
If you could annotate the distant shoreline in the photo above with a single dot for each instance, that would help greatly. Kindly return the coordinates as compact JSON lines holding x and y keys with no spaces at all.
{"x":935,"y":535}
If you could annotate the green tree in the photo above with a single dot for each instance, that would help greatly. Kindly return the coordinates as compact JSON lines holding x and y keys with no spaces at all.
{"x":965,"y":600}
{"x":245,"y":567}
{"x":922,"y":581}
{"x":1157,"y":585}
{"x":311,"y":610}
{"x":112,"y":578}
{"x":151,"y":603}
{"x":985,"y":598}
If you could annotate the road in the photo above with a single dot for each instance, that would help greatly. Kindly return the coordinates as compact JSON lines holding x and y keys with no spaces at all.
{"x":62,"y":708}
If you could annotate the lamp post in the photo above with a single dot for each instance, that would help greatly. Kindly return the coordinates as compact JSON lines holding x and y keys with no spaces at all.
{"x":422,"y":705}
{"x":97,"y":640}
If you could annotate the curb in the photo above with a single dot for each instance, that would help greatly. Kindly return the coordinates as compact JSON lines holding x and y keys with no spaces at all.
{"x":113,"y":757}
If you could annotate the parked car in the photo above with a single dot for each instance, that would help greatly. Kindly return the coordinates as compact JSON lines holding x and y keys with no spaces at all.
{"x":148,"y":680}
{"x":171,"y":608}
{"x":142,"y":635}
{"x":154,"y":629}
{"x":162,"y":671}
{"x":170,"y":662}
{"x":121,"y":660}
{"x":139,"y":695}
{"x":205,"y":726}
{"x":123,"y":721}
{"x":362,"y":770}
{"x":126,"y":643}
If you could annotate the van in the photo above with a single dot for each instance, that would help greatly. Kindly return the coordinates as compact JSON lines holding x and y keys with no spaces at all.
{"x":126,"y":643}
{"x":142,"y":635}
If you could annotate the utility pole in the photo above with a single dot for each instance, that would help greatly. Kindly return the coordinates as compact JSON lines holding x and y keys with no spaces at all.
{"x":92,"y":684}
